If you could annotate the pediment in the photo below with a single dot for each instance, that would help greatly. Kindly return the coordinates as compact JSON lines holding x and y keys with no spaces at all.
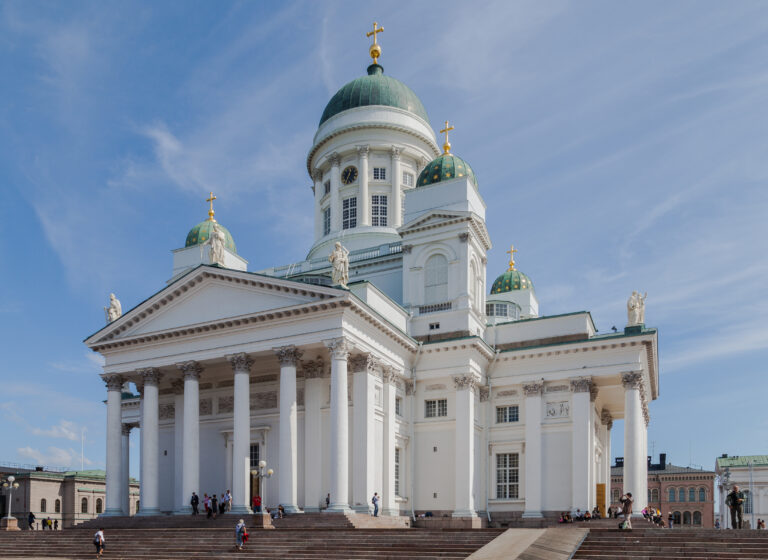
{"x":210,"y":294}
{"x":432,"y":219}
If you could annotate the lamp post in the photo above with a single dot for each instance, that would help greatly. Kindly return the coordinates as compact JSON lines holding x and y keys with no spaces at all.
{"x":725,"y":481}
{"x":751,"y":500}
{"x":9,"y":523}
{"x":262,"y":474}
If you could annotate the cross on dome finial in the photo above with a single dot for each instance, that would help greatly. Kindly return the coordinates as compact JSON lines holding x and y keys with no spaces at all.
{"x":375,"y":49}
{"x":210,"y":211}
{"x":447,"y":145}
{"x":511,"y":254}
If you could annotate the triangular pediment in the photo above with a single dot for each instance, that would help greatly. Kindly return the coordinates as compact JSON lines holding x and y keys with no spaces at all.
{"x":432,"y":219}
{"x":210,"y":294}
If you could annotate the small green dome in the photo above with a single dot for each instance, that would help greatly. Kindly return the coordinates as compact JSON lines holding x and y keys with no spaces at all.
{"x":202,"y":233}
{"x":511,"y":280}
{"x":374,"y":89}
{"x":444,"y":168}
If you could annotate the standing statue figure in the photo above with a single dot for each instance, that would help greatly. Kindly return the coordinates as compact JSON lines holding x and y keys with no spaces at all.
{"x":340,"y":260}
{"x":636,"y":309}
{"x":217,"y":241}
{"x":115,"y":310}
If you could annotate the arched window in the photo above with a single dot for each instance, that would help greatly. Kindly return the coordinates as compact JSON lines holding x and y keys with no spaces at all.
{"x":655,"y":495}
{"x":84,"y":505}
{"x":681,"y":495}
{"x":687,"y":518}
{"x":43,"y":505}
{"x":691,"y":494}
{"x":702,"y":495}
{"x":697,"y":518}
{"x":436,"y":279}
{"x":98,"y":505}
{"x":616,"y":495}
{"x":678,"y":518}
{"x":57,"y":506}
{"x":671,"y":494}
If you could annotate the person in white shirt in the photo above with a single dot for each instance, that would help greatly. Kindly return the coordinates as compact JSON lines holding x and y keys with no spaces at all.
{"x":98,"y":542}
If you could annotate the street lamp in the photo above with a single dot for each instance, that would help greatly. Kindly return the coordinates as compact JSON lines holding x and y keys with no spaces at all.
{"x":9,"y":523}
{"x":261,"y":474}
{"x":726,"y":479}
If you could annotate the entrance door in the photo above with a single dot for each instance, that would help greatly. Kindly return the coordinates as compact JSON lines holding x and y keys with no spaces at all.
{"x":600,"y":495}
{"x":255,"y":480}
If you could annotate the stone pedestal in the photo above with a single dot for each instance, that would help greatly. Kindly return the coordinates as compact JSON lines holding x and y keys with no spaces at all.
{"x":9,"y":524}
{"x":261,"y":521}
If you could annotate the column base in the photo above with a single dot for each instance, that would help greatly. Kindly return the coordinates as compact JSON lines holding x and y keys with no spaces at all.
{"x":338,"y":508}
{"x":390,"y":512}
{"x":186,"y":510}
{"x":292,"y":509}
{"x":148,"y":512}
{"x":532,"y":515}
{"x":312,"y":510}
{"x":9,"y":524}
{"x":112,"y":512}
{"x":464,"y":513}
{"x":240,"y":510}
{"x":363,"y":509}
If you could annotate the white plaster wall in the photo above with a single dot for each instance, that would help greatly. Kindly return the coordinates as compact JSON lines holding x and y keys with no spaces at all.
{"x":435,"y":471}
{"x":556,"y":464}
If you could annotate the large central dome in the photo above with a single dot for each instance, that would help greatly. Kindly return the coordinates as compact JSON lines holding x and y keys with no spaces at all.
{"x":374,"y":89}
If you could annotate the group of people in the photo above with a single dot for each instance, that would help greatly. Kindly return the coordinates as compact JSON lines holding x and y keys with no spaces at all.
{"x":212,"y":504}
{"x":51,"y":525}
{"x":578,"y":515}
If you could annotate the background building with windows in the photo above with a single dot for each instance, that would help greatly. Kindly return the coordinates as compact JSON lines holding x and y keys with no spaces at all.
{"x":750,"y":474}
{"x":71,"y":497}
{"x":688,"y":493}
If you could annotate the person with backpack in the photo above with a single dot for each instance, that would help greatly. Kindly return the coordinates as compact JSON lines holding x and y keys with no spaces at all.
{"x":98,"y":542}
{"x":241,"y":535}
{"x":375,"y":502}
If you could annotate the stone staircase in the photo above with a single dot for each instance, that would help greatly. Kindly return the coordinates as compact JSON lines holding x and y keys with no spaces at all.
{"x":212,"y":542}
{"x":645,"y":542}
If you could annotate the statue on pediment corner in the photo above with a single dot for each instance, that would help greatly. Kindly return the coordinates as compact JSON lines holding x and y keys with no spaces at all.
{"x":636,"y":309}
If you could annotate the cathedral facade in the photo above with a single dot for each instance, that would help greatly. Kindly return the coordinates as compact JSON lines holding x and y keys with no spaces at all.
{"x":393,"y":369}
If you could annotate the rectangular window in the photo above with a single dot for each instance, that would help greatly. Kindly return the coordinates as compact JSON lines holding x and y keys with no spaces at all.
{"x":255,"y":456}
{"x":407,"y":179}
{"x":379,"y":173}
{"x":435,"y":408}
{"x":398,"y":406}
{"x":349,"y":213}
{"x":379,"y":210}
{"x":326,"y":221}
{"x":507,"y":475}
{"x":326,"y":187}
{"x":397,"y":471}
{"x":506,"y":414}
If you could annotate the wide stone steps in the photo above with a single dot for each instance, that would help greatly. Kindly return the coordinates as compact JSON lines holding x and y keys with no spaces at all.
{"x":674,"y":544}
{"x":219,"y":543}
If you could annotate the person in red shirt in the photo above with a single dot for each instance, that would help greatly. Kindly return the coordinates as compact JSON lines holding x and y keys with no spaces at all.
{"x":257,"y":504}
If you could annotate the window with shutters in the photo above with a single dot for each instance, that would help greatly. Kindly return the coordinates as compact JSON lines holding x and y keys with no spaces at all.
{"x":507,"y":475}
{"x":379,"y":210}
{"x":436,"y":279}
{"x":349,"y":213}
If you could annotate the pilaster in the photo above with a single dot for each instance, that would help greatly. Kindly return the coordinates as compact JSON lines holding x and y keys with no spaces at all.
{"x":362,"y":180}
{"x":581,"y":456}
{"x":533,"y":450}
{"x":335,"y":159}
{"x":465,"y":446}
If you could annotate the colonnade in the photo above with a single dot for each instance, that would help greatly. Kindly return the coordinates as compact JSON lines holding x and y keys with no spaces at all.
{"x":187,"y":390}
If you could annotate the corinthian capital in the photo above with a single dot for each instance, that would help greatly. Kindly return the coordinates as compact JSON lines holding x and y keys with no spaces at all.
{"x":532,"y":389}
{"x":606,"y":419}
{"x":240,"y":362}
{"x":581,"y":384}
{"x":113,"y":382}
{"x":313,"y":369}
{"x":389,"y":375}
{"x":334,"y":159}
{"x":190,"y":369}
{"x":395,"y":151}
{"x":362,"y":151}
{"x":339,"y":348}
{"x":151,"y":376}
{"x":632,"y":380}
{"x":363,"y":362}
{"x":288,"y":355}
{"x":484,"y":393}
{"x":465,"y":382}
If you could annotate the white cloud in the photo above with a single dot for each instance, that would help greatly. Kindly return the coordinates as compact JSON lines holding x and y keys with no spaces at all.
{"x":53,"y":457}
{"x":64,"y":429}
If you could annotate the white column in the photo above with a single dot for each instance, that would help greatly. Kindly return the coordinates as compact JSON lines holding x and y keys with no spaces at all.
{"x":335,"y":159}
{"x":228,"y":443}
{"x":533,"y":455}
{"x":288,"y":475}
{"x":241,"y":445}
{"x":635,"y":470}
{"x":363,"y":369}
{"x":389,"y":503}
{"x":178,"y":445}
{"x":339,"y":349}
{"x":364,"y":215}
{"x":114,"y":477}
{"x":396,"y":217}
{"x":140,"y":389}
{"x":465,"y":446}
{"x":125,"y":469}
{"x":607,"y":420}
{"x":317,"y":178}
{"x":150,"y":484}
{"x":313,"y":435}
{"x":191,"y":435}
{"x":580,"y":456}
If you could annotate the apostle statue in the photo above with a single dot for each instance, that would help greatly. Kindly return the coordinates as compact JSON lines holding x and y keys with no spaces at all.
{"x":217,"y":242}
{"x":340,"y":260}
{"x":115,"y":310}
{"x":636,"y":309}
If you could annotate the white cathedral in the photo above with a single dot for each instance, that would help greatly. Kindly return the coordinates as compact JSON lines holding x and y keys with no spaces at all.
{"x":406,"y":376}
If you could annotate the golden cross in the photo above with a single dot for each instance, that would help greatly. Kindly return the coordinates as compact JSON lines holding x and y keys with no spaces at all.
{"x":375,"y":49}
{"x":376,"y":30}
{"x":447,"y":145}
{"x":511,"y":254}
{"x":210,"y":211}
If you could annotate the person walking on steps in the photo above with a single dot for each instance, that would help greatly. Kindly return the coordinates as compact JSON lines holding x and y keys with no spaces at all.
{"x":626,"y":508}
{"x":194,"y":502}
{"x":98,"y":542}
{"x":241,"y":535}
{"x":375,"y":502}
{"x":31,"y":521}
{"x":735,"y":502}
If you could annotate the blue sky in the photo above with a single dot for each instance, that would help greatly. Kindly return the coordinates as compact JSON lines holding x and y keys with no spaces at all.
{"x":619,"y":146}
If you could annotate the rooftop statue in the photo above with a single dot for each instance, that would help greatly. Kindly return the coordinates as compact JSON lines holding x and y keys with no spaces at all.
{"x":115,"y":310}
{"x":217,"y":242}
{"x":636,"y":309}
{"x":340,"y":260}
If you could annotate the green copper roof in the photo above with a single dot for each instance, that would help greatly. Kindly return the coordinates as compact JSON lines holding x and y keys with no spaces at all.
{"x":444,"y":168}
{"x":202,"y":232}
{"x":374,"y":89}
{"x":742,"y":461}
{"x":511,"y":280}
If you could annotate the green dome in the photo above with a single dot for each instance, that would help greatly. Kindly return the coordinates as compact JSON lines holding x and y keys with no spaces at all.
{"x":374,"y":89}
{"x":202,"y":232}
{"x":444,"y":168}
{"x":511,"y":280}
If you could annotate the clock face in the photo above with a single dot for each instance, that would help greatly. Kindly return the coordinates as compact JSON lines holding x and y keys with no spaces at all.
{"x":349,"y":175}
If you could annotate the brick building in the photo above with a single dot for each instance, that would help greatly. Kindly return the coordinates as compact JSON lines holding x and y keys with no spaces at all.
{"x":686,"y":492}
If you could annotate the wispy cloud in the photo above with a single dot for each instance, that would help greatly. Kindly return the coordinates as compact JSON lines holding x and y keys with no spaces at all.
{"x":64,"y":430}
{"x":54,"y":456}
